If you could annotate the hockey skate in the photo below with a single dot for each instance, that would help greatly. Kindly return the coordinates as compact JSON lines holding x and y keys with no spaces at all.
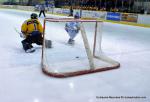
{"x":30,"y":50}
{"x":71,"y":41}
{"x":27,"y":47}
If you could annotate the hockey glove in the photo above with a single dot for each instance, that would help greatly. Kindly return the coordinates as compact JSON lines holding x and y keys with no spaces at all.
{"x":22,"y":35}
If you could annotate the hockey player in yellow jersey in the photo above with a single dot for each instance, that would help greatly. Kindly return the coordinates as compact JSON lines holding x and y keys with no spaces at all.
{"x":32,"y":31}
{"x":31,"y":25}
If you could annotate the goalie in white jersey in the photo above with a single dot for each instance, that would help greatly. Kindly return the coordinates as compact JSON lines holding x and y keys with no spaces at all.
{"x":72,"y":29}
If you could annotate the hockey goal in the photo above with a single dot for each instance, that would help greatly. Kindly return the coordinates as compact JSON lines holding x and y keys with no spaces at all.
{"x":84,"y":57}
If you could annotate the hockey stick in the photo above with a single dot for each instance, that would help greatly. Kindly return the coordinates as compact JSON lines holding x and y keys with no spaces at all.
{"x":21,"y":34}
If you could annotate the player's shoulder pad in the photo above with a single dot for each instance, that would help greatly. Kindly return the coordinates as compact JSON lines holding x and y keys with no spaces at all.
{"x":31,"y":21}
{"x":26,"y":21}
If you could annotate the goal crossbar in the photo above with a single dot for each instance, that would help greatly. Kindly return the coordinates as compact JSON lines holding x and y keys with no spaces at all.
{"x":69,"y":20}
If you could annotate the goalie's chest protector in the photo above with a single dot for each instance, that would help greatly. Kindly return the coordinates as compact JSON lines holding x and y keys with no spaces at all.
{"x":72,"y":25}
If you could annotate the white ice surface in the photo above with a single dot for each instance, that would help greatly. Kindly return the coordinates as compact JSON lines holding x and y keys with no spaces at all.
{"x":21,"y":78}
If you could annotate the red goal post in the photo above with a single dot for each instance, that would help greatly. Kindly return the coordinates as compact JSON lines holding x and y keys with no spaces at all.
{"x":93,"y":58}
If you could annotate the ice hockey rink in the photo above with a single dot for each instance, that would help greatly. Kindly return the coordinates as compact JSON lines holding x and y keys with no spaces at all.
{"x":22,"y":80}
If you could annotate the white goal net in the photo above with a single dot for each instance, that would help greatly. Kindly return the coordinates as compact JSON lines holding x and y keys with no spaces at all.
{"x":83,"y":57}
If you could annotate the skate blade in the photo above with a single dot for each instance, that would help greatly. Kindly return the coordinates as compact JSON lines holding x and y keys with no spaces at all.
{"x":30,"y":51}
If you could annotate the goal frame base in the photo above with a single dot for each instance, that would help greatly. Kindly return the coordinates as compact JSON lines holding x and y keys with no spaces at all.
{"x":77,"y":73}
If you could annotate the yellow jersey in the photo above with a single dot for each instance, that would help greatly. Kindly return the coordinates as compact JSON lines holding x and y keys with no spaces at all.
{"x":31,"y":25}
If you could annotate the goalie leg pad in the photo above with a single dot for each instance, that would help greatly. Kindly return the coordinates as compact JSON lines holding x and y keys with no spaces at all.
{"x":72,"y":34}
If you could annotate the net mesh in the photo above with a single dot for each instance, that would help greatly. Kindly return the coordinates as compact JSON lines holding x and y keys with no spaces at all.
{"x":64,"y":60}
